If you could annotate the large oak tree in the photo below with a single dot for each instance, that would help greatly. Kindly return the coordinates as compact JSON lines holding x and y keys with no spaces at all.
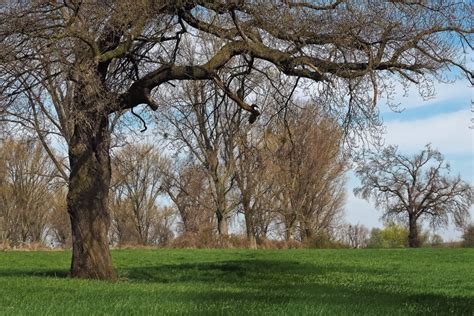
{"x":414,"y":188}
{"x":70,"y":68}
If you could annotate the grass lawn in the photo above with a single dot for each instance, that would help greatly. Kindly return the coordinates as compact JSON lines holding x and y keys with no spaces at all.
{"x":327,"y":282}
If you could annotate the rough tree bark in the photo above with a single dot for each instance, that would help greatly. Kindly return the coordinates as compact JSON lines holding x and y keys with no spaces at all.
{"x":413,"y":240}
{"x":222,"y":228}
{"x":249,"y":221}
{"x":87,"y":199}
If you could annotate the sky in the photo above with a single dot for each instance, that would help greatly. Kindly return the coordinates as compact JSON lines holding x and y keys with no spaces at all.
{"x":446,"y":121}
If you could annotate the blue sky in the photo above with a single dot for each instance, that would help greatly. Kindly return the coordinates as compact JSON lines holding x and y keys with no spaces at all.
{"x":444,"y":121}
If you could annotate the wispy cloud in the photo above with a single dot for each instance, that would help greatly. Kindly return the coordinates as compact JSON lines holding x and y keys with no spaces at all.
{"x":448,"y":132}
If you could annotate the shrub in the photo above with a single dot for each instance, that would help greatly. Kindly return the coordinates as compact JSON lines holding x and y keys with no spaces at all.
{"x":391,"y":236}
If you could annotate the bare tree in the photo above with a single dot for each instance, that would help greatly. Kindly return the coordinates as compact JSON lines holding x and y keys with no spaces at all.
{"x":468,"y":236}
{"x":203,"y":122}
{"x":25,"y":191}
{"x":414,"y":188}
{"x":309,"y":167}
{"x":188,"y":188}
{"x":252,"y":182}
{"x":137,"y":177}
{"x":356,"y":236}
{"x":59,"y":227}
{"x":70,"y":68}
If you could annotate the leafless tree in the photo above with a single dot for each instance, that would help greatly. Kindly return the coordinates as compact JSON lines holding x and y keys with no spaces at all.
{"x":25,"y":191}
{"x":414,"y":188}
{"x":253,"y":183}
{"x":137,"y":181}
{"x":468,"y":236}
{"x":188,"y":188}
{"x":70,"y":68}
{"x":59,"y":227}
{"x":309,"y":168}
{"x":202,"y":122}
{"x":356,"y":236}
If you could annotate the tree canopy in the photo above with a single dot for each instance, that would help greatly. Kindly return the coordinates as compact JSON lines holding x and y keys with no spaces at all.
{"x":415,"y":188}
{"x":71,"y":68}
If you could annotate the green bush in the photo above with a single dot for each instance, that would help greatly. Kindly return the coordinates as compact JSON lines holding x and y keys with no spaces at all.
{"x":391,"y":236}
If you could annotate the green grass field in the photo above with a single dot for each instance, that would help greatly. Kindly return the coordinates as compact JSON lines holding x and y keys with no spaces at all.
{"x":327,"y":282}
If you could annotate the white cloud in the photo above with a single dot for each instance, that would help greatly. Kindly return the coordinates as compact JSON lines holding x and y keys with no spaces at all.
{"x":359,"y":211}
{"x":449,"y":132}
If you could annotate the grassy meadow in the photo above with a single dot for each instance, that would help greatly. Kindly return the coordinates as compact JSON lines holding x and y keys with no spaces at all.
{"x":262,"y":282}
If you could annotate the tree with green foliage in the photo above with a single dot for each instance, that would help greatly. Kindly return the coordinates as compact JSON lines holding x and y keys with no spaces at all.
{"x":411,"y":189}
{"x":70,"y":69}
{"x":391,"y":236}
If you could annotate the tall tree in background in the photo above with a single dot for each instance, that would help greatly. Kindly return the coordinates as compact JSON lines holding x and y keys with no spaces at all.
{"x":414,"y":188}
{"x":188,"y":188}
{"x":138,"y":178}
{"x":309,"y":170}
{"x":201,"y":122}
{"x":25,"y":191}
{"x":70,"y":68}
{"x":253,"y":182}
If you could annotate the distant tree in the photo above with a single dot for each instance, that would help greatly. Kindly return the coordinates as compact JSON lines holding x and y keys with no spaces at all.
{"x":188,"y":188}
{"x":202,"y":123}
{"x":411,"y":189}
{"x":468,"y":236}
{"x":309,"y":173}
{"x":436,"y":240}
{"x":25,"y":191}
{"x":137,"y":184}
{"x":375,"y":239}
{"x":356,"y":236}
{"x":59,"y":225}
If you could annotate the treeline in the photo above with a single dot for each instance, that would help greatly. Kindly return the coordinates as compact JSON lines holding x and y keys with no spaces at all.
{"x":283,"y":180}
{"x":157,"y":203}
{"x":206,"y":178}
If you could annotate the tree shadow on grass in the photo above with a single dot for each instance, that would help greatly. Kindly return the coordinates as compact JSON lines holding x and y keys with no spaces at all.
{"x":49,"y":273}
{"x":275,"y":285}
{"x":254,"y":271}
{"x":285,"y":283}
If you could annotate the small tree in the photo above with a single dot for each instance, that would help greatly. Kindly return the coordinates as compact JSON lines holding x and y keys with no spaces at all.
{"x":138,"y":178}
{"x":468,"y":236}
{"x":356,"y":236}
{"x":414,"y":188}
{"x":436,"y":240}
{"x":26,"y":189}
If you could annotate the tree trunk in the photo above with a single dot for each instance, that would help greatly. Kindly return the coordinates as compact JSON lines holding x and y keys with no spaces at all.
{"x":221,"y":208}
{"x":222,"y":228}
{"x":289,"y":233}
{"x":413,"y":240}
{"x":307,"y":234}
{"x":249,"y":223}
{"x":250,"y":229}
{"x":88,"y":199}
{"x":251,"y":238}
